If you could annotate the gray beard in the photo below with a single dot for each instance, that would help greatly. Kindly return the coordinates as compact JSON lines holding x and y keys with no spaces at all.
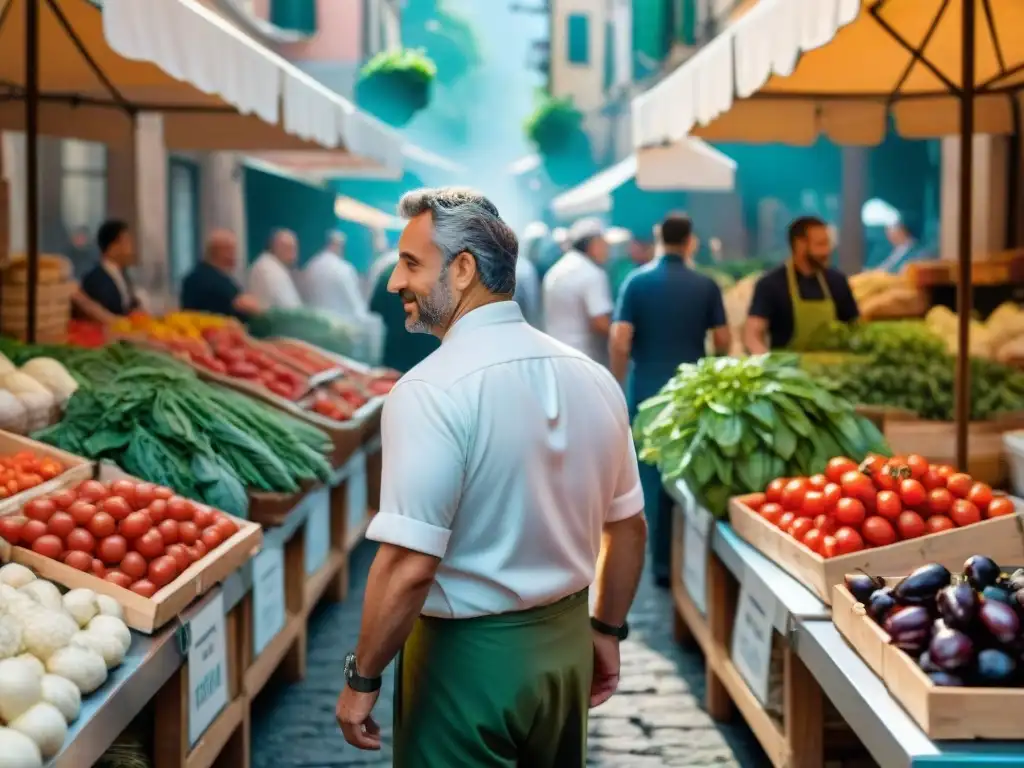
{"x":434,"y":310}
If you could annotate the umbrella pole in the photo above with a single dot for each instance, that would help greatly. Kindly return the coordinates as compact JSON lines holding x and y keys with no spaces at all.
{"x":964,"y":288}
{"x":32,"y":160}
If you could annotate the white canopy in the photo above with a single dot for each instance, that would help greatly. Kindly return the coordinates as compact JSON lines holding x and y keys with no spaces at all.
{"x":350,"y":209}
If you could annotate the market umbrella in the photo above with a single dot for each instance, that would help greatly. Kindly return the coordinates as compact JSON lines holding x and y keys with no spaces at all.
{"x":792,"y":70}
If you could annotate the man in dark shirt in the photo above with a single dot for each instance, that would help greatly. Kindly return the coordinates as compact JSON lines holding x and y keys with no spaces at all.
{"x":211,"y":288}
{"x":793,"y":301}
{"x":664,"y":314}
{"x":402,"y":349}
{"x":106,"y":291}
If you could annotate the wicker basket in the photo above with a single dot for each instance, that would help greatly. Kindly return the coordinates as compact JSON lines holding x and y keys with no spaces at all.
{"x":53,"y":311}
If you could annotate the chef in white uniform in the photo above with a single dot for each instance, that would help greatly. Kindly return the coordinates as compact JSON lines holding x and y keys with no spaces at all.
{"x":331,"y":283}
{"x":270,"y":277}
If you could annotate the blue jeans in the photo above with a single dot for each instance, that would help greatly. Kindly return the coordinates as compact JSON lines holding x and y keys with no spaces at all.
{"x":658,"y":510}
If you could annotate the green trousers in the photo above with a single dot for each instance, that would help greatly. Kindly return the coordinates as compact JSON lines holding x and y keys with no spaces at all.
{"x":506,"y":691}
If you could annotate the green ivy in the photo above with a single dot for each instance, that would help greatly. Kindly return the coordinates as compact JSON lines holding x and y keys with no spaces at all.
{"x":554,"y":125}
{"x":395,"y":85}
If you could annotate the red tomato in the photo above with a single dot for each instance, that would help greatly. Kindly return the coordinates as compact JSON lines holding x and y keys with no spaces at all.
{"x":204,"y":515}
{"x":61,"y":524}
{"x":813,"y":540}
{"x":229,"y":527}
{"x":92,"y":491}
{"x":817,"y":482}
{"x":940,"y":501}
{"x":797,"y":529}
{"x":774,"y":490}
{"x":99,"y":570}
{"x":878,"y":532}
{"x":910,"y":525}
{"x":157,"y":511}
{"x":885,"y":478}
{"x":932,"y":480}
{"x":828,"y":546}
{"x":135,"y":525}
{"x":180,"y":555}
{"x":150,"y":545}
{"x":121,"y":579}
{"x":769,"y":511}
{"x":980,"y":496}
{"x":179,"y":509}
{"x":188,"y":533}
{"x":964,"y":513}
{"x":857,"y":486}
{"x":125,"y":489}
{"x":169,"y":531}
{"x":80,"y":539}
{"x":833,"y":493}
{"x":838,"y":467}
{"x":117,"y":507}
{"x":49,"y":546}
{"x":793,"y":494}
{"x":200,"y":549}
{"x":849,"y":512}
{"x":32,"y":530}
{"x":959,"y":484}
{"x":10,"y":529}
{"x":63,"y":499}
{"x":80,"y":561}
{"x":134,"y":566}
{"x":944,"y":471}
{"x":143,"y":495}
{"x":40,"y":509}
{"x":163,"y":570}
{"x":847,"y":541}
{"x":112,"y":549}
{"x":162,"y":492}
{"x":826,"y":524}
{"x":102,"y":525}
{"x":999,"y":507}
{"x":919,"y":466}
{"x":144,"y":587}
{"x":814,"y":504}
{"x":938,"y":523}
{"x":82,"y":511}
{"x":912,"y":493}
{"x":786,"y":519}
{"x":887,"y":504}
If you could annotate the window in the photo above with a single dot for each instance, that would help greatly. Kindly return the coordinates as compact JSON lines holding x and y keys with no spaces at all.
{"x":296,"y":15}
{"x":182,"y":217}
{"x":609,"y":55}
{"x":83,"y":184}
{"x":579,"y":39}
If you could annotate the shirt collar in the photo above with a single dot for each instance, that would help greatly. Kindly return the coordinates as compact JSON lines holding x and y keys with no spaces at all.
{"x":498,"y":313}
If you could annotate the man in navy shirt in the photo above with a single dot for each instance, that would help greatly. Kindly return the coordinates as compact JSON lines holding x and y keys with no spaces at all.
{"x":106,"y":291}
{"x":662,"y":320}
{"x":211,"y":288}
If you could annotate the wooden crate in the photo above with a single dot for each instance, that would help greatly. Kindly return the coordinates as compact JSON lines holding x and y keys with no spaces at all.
{"x":142,"y":613}
{"x":1001,"y":538}
{"x":76,"y":470}
{"x":942,"y":713}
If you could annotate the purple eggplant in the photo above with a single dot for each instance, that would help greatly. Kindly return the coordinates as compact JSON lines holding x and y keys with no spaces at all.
{"x":997,"y":593}
{"x":945,"y":679}
{"x":981,"y":571}
{"x":994,"y":667}
{"x":926,"y":664}
{"x":881,"y":604}
{"x":957,"y":605}
{"x":909,"y":628}
{"x":921,"y":586}
{"x":951,"y":650}
{"x":862,"y":586}
{"x":1000,"y":620}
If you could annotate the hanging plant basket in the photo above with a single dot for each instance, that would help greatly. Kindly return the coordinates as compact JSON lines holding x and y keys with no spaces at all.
{"x":395,"y":85}
{"x":554,"y":126}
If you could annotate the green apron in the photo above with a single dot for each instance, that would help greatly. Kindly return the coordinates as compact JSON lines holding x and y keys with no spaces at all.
{"x":808,"y":315}
{"x":495,"y":691}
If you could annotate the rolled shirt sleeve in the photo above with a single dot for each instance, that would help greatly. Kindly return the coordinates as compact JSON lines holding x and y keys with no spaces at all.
{"x":629,"y":495}
{"x":423,"y":439}
{"x":597,"y":296}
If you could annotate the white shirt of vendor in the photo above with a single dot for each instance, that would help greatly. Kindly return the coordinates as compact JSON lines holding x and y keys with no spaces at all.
{"x":271,"y":283}
{"x":575,"y":290}
{"x":504,"y":454}
{"x":330,"y":283}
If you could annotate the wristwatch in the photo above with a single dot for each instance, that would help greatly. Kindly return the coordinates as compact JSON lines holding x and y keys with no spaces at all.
{"x":356,"y":681}
{"x":607,"y":629}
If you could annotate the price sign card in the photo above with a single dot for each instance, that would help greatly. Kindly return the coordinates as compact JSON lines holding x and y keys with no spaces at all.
{"x":318,"y":530}
{"x":356,"y":498}
{"x":752,"y":636}
{"x":207,"y":667}
{"x":268,"y":608}
{"x":696,"y":527}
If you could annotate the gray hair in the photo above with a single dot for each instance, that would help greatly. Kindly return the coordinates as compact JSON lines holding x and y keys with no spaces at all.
{"x":466,"y":221}
{"x":277,"y":235}
{"x":334,"y":237}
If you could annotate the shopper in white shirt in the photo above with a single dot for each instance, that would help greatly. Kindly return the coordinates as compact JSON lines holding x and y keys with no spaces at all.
{"x":509,"y":486}
{"x":331,"y":283}
{"x":270,"y":277}
{"x":527,"y":294}
{"x":577,"y":295}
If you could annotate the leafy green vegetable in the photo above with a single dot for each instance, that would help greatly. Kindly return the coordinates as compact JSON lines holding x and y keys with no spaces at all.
{"x":729,"y":426}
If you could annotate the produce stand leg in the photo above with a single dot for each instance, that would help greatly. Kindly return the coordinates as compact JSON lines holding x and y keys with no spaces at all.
{"x":681,"y":631}
{"x":723,"y":594}
{"x":337,"y":590}
{"x":294,"y":664}
{"x":237,"y":752}
{"x":804,"y":714}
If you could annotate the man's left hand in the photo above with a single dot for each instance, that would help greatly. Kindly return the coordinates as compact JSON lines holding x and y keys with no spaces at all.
{"x":353,"y":714}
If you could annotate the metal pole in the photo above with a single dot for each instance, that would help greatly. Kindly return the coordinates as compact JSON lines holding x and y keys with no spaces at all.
{"x":32,"y":159}
{"x":964,"y":288}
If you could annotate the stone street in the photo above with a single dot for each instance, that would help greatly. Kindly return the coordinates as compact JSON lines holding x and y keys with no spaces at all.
{"x":655,"y":719}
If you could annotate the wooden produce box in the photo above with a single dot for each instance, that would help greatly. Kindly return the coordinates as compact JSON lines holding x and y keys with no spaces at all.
{"x":1001,"y":537}
{"x":76,"y":470}
{"x":141,"y":613}
{"x":272,"y":509}
{"x":941,"y":712}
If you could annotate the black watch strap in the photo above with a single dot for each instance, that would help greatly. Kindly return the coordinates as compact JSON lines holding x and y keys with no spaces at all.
{"x":357,"y":682}
{"x":607,"y":629}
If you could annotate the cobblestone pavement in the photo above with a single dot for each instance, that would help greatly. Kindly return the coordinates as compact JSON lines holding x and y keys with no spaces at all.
{"x":654,"y":720}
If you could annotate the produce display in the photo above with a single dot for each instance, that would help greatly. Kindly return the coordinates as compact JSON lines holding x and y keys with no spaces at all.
{"x":31,"y":396}
{"x":24,"y":470}
{"x":881,"y":294}
{"x":176,"y":326}
{"x":728,"y":426}
{"x":321,"y":329}
{"x":880,"y":501}
{"x":962,"y":629}
{"x":84,"y":333}
{"x":54,"y":649}
{"x":999,"y":338}
{"x":137,"y":535}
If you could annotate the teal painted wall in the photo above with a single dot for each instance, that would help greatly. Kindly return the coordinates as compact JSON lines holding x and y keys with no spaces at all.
{"x":272,"y":201}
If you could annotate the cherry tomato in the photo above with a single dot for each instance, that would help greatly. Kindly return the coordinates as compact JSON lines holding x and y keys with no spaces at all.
{"x":63,"y":499}
{"x":938,"y":523}
{"x":102,"y":525}
{"x":959,"y":484}
{"x":135,"y":525}
{"x":40,"y":509}
{"x":940,"y":501}
{"x":60,"y":524}
{"x":825,"y":524}
{"x":92,"y":491}
{"x":119,"y":578}
{"x":124,"y":489}
{"x":82,"y":511}
{"x":163,"y":570}
{"x":32,"y":530}
{"x":205,"y":516}
{"x":857,"y":486}
{"x":157,"y":511}
{"x":838,"y":467}
{"x":786,"y":519}
{"x":134,"y":565}
{"x":1000,"y":506}
{"x":872,"y":463}
{"x":112,"y":549}
{"x":150,"y":545}
{"x":847,"y":541}
{"x":910,"y":525}
{"x":814,"y":504}
{"x":832,"y":493}
{"x":878,"y":532}
{"x":932,"y":480}
{"x":769,"y":511}
{"x":180,"y":555}
{"x":828,"y":546}
{"x":944,"y":471}
{"x":912,"y":493}
{"x":229,"y":527}
{"x":188,"y":533}
{"x":143,"y":495}
{"x":10,"y":529}
{"x":162,"y":492}
{"x":919,"y":466}
{"x":888,"y":505}
{"x":817,"y":482}
{"x":964,"y":513}
{"x":980,"y":496}
{"x":797,"y":529}
{"x":774,"y":490}
{"x":200,"y":549}
{"x":813,"y":540}
{"x":144,"y":587}
{"x":81,"y":540}
{"x":80,"y":561}
{"x":169,"y":531}
{"x":179,"y":509}
{"x":849,"y":512}
{"x":117,"y":507}
{"x":99,"y":570}
{"x":49,"y":546}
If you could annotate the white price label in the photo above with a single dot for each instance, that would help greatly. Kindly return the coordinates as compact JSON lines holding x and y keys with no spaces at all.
{"x":318,"y":530}
{"x":752,"y":636}
{"x":207,"y":667}
{"x":268,"y":609}
{"x":696,"y":527}
{"x":356,"y":496}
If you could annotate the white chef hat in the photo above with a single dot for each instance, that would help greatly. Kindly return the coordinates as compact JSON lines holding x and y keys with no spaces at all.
{"x":585,"y":228}
{"x":560,"y":235}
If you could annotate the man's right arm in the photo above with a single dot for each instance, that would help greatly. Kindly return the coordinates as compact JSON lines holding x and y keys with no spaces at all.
{"x":92,"y":310}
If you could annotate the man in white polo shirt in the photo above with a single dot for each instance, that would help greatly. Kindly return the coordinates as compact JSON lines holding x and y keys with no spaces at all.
{"x":577,"y":295}
{"x":509,"y":486}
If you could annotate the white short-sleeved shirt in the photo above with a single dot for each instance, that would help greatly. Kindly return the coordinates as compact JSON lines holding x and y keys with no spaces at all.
{"x":330,"y":283}
{"x":575,"y":290}
{"x":504,"y":454}
{"x":271,"y":283}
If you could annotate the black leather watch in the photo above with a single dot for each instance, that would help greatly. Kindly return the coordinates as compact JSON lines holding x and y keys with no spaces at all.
{"x":607,"y":629}
{"x":357,"y":682}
